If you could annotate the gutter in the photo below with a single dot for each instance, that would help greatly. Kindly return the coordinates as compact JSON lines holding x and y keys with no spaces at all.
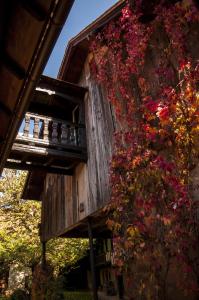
{"x":54,"y":23}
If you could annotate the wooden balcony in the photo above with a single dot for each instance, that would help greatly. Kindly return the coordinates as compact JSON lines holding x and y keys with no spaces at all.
{"x":48,"y":144}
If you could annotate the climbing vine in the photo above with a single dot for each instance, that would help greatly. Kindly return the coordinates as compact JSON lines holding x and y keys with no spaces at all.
{"x":149,"y":66}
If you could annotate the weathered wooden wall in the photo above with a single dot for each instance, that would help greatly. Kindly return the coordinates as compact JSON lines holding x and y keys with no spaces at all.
{"x":100,"y":128}
{"x":67,"y":200}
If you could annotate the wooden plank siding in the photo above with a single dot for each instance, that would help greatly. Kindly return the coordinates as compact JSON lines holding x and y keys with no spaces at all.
{"x":100,"y":129}
{"x":69,"y":199}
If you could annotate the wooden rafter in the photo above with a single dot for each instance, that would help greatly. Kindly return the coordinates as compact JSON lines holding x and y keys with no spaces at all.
{"x":38,"y":167}
{"x":35,"y":9}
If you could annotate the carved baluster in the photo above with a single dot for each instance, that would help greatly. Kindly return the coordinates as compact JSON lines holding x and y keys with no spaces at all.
{"x":54,"y":132}
{"x":46,"y":132}
{"x":64,"y":133}
{"x":27,"y":126}
{"x":36,"y":128}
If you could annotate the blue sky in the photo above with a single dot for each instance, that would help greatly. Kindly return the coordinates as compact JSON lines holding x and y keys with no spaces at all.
{"x":82,"y":14}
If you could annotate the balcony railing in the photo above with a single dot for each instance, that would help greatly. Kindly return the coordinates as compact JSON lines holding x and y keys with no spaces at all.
{"x":52,"y":132}
{"x":48,"y":143}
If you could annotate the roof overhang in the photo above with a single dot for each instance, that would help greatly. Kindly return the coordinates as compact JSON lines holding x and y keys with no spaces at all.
{"x":28,"y":32}
{"x":78,"y":47}
{"x":56,"y":98}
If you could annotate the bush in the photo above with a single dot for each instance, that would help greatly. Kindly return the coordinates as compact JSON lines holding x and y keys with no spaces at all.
{"x":19,"y":295}
{"x":55,"y":289}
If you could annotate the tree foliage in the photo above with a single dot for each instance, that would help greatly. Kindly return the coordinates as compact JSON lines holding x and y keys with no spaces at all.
{"x":151,"y":73}
{"x":19,"y":222}
{"x":19,"y":236}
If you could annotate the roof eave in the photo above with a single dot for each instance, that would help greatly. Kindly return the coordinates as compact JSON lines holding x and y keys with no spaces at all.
{"x":86,"y":33}
{"x":49,"y":35}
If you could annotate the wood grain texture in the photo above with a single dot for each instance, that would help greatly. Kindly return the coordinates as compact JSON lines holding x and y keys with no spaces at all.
{"x":69,"y":199}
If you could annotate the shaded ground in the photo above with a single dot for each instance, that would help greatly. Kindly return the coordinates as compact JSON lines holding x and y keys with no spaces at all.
{"x":87,"y":296}
{"x":77,"y":296}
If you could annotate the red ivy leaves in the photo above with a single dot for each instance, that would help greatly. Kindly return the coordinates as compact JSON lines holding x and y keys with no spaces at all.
{"x":154,"y":212}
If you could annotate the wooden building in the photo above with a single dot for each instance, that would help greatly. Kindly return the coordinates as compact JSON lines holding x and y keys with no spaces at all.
{"x":69,"y":150}
{"x":71,"y":199}
{"x":73,"y":127}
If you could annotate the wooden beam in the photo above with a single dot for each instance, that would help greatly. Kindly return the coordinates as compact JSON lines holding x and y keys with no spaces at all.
{"x":48,"y":152}
{"x":35,"y":9}
{"x":60,"y":86}
{"x":43,"y":255}
{"x":92,"y":261}
{"x":34,"y":167}
{"x":49,"y":162}
{"x":12,"y":65}
{"x":68,"y":97}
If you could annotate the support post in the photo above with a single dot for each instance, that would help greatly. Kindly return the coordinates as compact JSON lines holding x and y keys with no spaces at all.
{"x":92,"y":261}
{"x":43,"y":257}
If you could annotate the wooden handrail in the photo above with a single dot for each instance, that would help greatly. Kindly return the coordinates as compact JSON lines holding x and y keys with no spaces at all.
{"x":41,"y":117}
{"x":52,"y":131}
